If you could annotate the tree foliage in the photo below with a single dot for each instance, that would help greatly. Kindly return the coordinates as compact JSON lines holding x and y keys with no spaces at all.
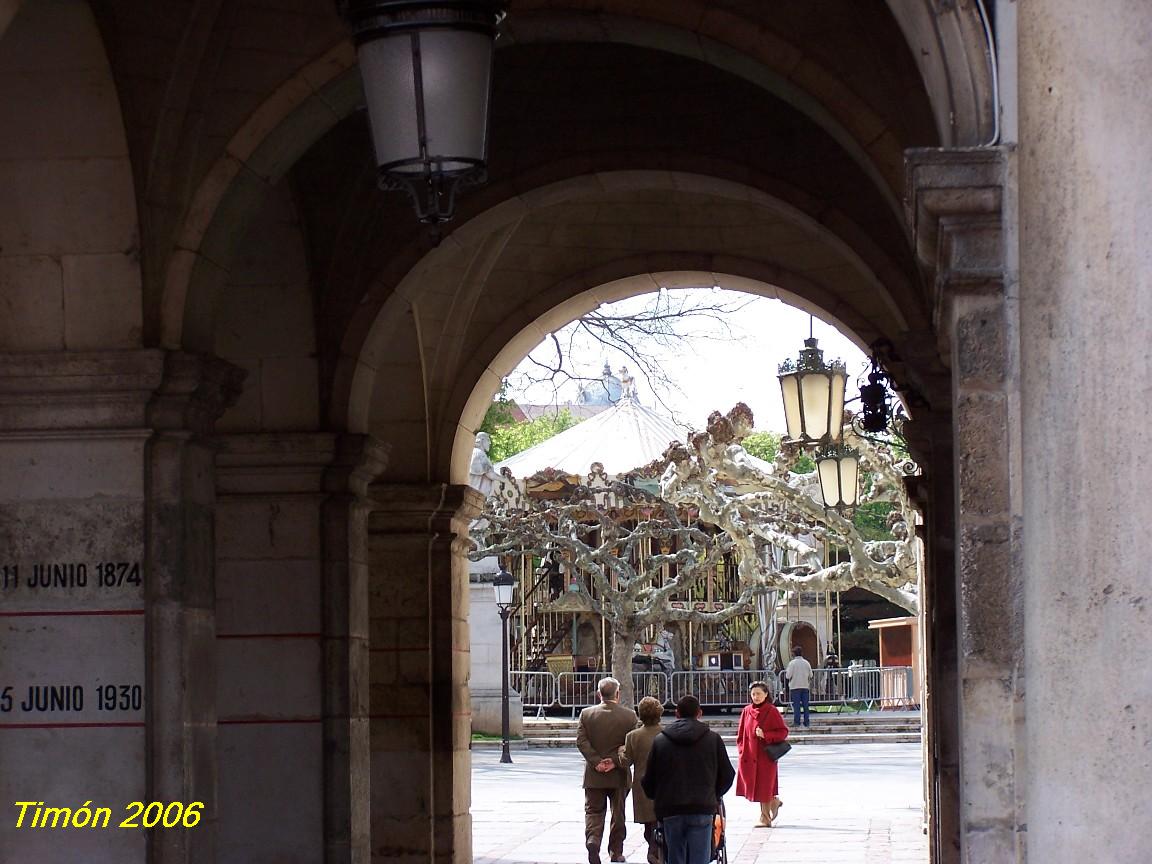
{"x":509,"y":437}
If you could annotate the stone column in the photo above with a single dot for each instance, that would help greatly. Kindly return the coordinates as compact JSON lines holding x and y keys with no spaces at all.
{"x":1086,"y":317}
{"x":955,"y":207}
{"x":407,"y":547}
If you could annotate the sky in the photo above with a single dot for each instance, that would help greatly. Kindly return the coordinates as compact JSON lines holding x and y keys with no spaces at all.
{"x":713,"y":369}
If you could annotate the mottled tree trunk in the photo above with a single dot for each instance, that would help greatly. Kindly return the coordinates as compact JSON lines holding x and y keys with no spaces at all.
{"x":623,"y":644}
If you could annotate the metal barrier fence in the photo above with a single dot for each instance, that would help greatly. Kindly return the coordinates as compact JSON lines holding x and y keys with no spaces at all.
{"x":654,"y":684}
{"x":884,"y":687}
{"x":537,"y":689}
{"x":727,"y":689}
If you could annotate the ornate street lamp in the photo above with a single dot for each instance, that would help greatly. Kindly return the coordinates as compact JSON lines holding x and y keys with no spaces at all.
{"x":838,"y":468}
{"x":427,"y":69}
{"x":504,"y":585}
{"x":813,"y":394}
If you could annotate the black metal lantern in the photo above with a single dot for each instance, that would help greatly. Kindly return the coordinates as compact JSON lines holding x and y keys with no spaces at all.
{"x":503,"y":586}
{"x":875,"y":407}
{"x":838,"y":469}
{"x":813,"y":394}
{"x":427,"y":70}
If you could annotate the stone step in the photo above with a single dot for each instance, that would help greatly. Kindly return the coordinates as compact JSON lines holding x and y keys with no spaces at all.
{"x":795,"y":740}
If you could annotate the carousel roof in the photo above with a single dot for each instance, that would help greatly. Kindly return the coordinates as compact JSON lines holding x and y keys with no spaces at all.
{"x":626,"y":436}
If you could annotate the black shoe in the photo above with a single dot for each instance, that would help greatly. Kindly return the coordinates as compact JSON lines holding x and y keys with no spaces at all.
{"x":619,"y":858}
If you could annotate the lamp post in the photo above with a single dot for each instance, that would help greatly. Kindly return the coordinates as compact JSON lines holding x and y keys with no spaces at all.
{"x":504,"y":586}
{"x":427,"y":70}
{"x":813,"y":394}
{"x":838,"y":468}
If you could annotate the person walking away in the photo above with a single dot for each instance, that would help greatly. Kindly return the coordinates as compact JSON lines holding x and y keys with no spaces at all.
{"x":799,"y":675}
{"x":757,"y":778}
{"x":637,"y":746}
{"x":599,"y":737}
{"x":688,"y":773}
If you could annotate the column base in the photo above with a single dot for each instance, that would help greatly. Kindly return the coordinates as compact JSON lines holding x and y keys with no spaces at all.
{"x":486,"y":712}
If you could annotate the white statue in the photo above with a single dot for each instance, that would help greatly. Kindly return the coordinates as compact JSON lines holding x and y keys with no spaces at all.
{"x":482,"y":475}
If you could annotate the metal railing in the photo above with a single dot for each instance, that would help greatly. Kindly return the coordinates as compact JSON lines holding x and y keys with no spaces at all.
{"x":884,"y":687}
{"x":871,"y":687}
{"x":537,"y":690}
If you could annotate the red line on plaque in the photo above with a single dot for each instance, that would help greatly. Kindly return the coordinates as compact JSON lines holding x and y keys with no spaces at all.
{"x":44,"y":614}
{"x":125,"y":725}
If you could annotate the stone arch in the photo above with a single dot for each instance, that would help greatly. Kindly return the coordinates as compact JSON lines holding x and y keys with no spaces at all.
{"x":69,"y":237}
{"x":311,"y":102}
{"x":397,"y":372}
{"x":950,"y":43}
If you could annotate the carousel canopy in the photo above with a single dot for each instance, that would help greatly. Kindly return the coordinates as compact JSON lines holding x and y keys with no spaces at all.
{"x":626,"y":436}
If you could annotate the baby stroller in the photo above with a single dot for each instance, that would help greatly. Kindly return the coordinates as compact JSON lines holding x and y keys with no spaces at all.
{"x":719,"y":844}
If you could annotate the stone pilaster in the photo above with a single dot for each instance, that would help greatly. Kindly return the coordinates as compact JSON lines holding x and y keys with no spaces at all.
{"x":291,"y":649}
{"x":956,"y":199}
{"x":180,"y":597}
{"x":407,"y":547}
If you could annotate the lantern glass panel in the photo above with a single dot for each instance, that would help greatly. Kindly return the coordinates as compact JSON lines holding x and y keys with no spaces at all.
{"x":790,"y":390}
{"x":390,"y":90}
{"x":814,"y":391}
{"x":836,"y":414}
{"x":457,"y":66}
{"x":849,"y":480}
{"x":829,"y":481}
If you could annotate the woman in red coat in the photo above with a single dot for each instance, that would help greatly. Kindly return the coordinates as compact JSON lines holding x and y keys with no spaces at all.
{"x":756,"y":778}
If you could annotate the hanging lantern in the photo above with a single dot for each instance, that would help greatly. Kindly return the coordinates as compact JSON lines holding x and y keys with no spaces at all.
{"x":875,"y":408}
{"x":813,"y":394}
{"x":838,"y":468}
{"x":427,"y":69}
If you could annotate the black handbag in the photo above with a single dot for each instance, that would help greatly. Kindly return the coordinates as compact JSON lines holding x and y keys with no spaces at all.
{"x":775,"y":751}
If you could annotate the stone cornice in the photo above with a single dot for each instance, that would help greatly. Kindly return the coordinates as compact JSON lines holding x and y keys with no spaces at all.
{"x":395,"y":508}
{"x":78,"y":390}
{"x":953,"y":205}
{"x":285,"y":462}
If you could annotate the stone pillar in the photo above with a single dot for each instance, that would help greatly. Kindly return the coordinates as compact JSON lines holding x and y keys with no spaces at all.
{"x":1086,"y":314}
{"x":956,"y":200}
{"x":106,"y":595}
{"x":408,"y":548}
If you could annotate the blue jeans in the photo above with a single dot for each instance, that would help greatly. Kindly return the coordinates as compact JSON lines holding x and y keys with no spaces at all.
{"x":800,"y":703}
{"x":689,"y":838}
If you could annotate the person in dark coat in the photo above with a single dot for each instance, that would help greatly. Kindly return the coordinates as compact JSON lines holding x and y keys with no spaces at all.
{"x":599,"y":737}
{"x":637,"y":746}
{"x":688,"y":773}
{"x":757,"y":778}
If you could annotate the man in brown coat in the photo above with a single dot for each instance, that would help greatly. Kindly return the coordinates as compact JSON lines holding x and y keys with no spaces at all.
{"x":600,"y":736}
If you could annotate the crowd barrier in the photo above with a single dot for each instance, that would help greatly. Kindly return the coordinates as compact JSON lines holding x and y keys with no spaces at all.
{"x":869,"y":687}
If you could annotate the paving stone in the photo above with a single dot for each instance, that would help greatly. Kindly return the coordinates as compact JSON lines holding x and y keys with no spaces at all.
{"x":532,"y":810}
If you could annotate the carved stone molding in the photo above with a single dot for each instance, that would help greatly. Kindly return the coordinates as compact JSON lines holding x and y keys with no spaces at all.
{"x":954,"y":207}
{"x":195,"y":391}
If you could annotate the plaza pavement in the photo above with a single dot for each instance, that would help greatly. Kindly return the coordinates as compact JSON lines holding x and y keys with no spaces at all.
{"x":843,"y":804}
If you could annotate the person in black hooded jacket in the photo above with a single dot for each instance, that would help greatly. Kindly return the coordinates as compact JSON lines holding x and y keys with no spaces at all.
{"x":688,"y":773}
